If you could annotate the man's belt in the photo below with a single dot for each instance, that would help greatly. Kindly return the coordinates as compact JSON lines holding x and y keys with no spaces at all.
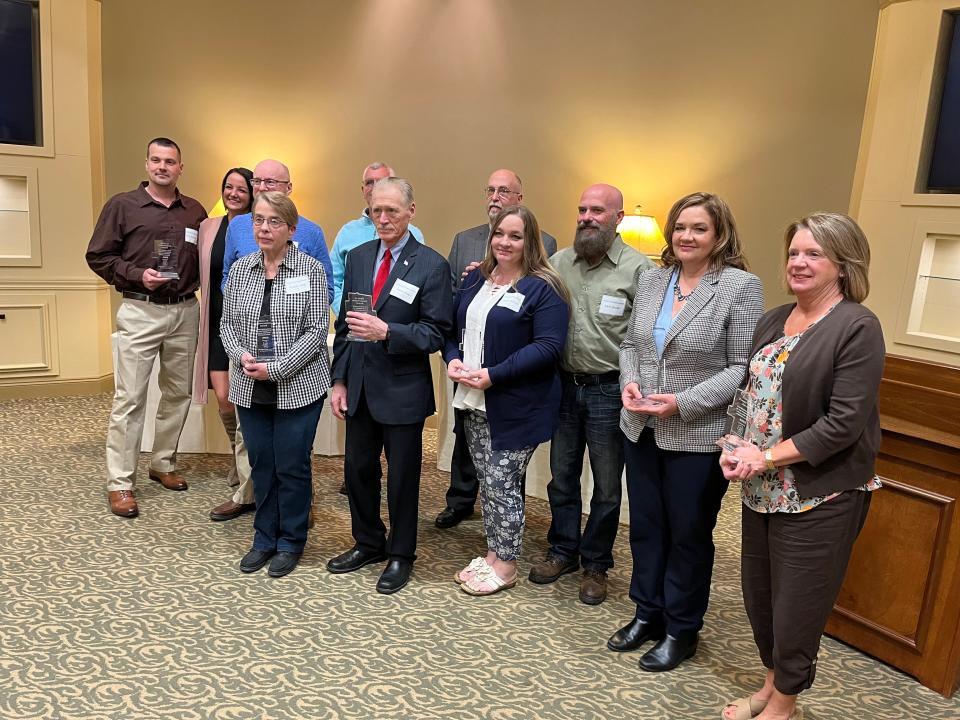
{"x":587,"y":379}
{"x":158,"y":300}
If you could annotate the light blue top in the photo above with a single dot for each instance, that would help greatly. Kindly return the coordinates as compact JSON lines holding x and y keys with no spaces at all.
{"x":354,"y":233}
{"x":308,"y":238}
{"x":665,"y":319}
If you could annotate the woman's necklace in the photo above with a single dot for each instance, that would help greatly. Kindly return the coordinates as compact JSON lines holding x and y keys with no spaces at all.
{"x":679,"y":295}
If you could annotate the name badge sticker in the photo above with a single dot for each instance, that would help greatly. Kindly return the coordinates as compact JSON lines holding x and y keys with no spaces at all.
{"x":190,"y":235}
{"x":610,"y":305}
{"x":404,"y":290}
{"x":511,"y":301}
{"x":298,"y":284}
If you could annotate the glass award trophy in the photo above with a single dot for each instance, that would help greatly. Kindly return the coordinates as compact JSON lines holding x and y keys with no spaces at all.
{"x":735,"y":426}
{"x":266,"y":350}
{"x":359,"y":303}
{"x":165,"y":258}
{"x":649,"y":387}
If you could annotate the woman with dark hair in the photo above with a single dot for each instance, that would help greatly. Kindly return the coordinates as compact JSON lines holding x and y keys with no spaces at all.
{"x":805,"y":465}
{"x":683,"y":358}
{"x":510,"y":328}
{"x":211,"y":365}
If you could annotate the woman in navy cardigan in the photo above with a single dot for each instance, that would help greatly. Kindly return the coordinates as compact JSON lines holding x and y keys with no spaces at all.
{"x":510,"y":327}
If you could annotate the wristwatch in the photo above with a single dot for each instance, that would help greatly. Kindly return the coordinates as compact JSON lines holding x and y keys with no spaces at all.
{"x":768,"y":459}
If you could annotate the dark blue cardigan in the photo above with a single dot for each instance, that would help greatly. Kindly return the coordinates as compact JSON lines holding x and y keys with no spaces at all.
{"x":521,"y":352}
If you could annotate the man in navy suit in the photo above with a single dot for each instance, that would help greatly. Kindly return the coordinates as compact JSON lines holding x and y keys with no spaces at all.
{"x":382,"y":382}
{"x":469,"y":247}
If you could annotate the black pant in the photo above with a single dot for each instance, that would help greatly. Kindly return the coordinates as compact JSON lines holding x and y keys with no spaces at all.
{"x":462,"y":493}
{"x":674,"y":501}
{"x":792,"y":567}
{"x":403,"y":446}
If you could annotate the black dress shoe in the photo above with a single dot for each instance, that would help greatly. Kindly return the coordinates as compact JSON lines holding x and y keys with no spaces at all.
{"x":283,"y":563}
{"x":343,"y":488}
{"x":394,"y":576}
{"x":669,"y":652}
{"x":254,"y":560}
{"x":634,"y":634}
{"x":449,"y":517}
{"x":354,"y":559}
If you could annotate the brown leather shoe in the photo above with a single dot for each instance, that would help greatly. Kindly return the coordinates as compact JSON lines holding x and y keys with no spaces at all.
{"x":593,"y":587}
{"x":123,"y":503}
{"x":551,"y":568}
{"x":230,"y":510}
{"x":170,"y":480}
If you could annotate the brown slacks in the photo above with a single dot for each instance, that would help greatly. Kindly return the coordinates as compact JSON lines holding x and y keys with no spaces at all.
{"x":792,"y":567}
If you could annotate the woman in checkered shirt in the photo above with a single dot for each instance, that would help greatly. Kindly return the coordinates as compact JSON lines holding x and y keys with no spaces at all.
{"x":274,"y":328}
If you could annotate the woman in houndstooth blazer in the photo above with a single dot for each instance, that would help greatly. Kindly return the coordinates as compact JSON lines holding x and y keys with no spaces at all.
{"x":274,"y":329}
{"x":684,"y":356}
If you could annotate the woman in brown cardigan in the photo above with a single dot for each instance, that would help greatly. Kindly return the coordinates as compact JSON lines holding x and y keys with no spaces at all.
{"x":211,"y":366}
{"x":806,"y":465}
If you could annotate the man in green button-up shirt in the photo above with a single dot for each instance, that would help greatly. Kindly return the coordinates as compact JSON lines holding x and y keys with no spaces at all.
{"x":601,"y":273}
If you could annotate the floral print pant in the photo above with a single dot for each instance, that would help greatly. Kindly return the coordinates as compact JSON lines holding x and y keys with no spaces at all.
{"x":499,"y":473}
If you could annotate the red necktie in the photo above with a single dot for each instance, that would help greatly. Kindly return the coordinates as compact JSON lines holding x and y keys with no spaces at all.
{"x":382,"y":273}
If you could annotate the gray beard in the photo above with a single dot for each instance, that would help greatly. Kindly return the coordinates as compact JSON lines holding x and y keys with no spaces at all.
{"x":591,"y":247}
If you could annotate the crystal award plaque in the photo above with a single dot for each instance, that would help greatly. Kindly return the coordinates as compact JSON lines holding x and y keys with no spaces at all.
{"x":359,"y":303}
{"x":266,"y":345}
{"x":653,"y":388}
{"x":735,"y":426}
{"x":165,"y":257}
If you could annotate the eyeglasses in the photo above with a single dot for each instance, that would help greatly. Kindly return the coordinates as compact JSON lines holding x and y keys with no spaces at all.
{"x":269,"y":183}
{"x":273,"y":223}
{"x":499,"y":191}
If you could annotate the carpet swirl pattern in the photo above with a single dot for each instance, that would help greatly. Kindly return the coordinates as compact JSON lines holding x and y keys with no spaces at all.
{"x":104,"y":618}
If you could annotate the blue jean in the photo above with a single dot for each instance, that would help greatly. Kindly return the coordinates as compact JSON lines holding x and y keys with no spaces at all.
{"x":589,"y":418}
{"x":280,"y":443}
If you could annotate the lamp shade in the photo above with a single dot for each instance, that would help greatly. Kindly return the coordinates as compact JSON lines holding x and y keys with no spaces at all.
{"x":642,"y":233}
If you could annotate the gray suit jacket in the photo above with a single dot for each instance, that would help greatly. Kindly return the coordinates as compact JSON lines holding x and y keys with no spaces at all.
{"x":706,"y":351}
{"x":471,"y":246}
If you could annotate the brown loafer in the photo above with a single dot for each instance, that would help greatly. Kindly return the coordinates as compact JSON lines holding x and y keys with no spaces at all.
{"x":123,"y":503}
{"x":230,"y":510}
{"x":593,"y":587}
{"x":170,"y":480}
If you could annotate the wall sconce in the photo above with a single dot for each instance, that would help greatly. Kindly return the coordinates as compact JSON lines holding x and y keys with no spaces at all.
{"x":642,"y":233}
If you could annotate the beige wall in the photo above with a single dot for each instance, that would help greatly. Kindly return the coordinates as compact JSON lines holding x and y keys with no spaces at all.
{"x":761,"y":102}
{"x":58,"y":321}
{"x":898,"y":220}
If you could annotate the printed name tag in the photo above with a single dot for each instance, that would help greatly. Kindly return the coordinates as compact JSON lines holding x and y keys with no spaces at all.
{"x":404,"y":290}
{"x":511,"y":301}
{"x":298,"y":284}
{"x":190,"y":235}
{"x":610,"y":305}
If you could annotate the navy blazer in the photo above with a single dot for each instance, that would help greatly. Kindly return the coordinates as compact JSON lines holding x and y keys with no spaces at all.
{"x":394,"y":374}
{"x":521,"y":352}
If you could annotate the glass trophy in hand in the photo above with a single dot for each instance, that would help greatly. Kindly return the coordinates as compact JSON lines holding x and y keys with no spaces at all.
{"x":648,"y":388}
{"x":735,"y":426}
{"x":165,"y":258}
{"x":266,"y":350}
{"x":359,"y":303}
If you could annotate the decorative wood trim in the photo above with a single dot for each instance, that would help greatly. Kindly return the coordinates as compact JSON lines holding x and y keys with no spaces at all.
{"x":54,"y":283}
{"x":55,"y":388}
{"x":916,"y":399}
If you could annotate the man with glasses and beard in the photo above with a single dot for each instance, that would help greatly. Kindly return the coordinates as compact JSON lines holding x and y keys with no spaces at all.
{"x":469,"y":247}
{"x":601,"y":273}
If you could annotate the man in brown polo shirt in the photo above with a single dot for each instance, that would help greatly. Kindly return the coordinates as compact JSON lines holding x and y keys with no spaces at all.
{"x":145,"y":245}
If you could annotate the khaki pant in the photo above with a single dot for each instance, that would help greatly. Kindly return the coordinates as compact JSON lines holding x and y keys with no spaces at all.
{"x":145,"y":330}
{"x":244,"y":492}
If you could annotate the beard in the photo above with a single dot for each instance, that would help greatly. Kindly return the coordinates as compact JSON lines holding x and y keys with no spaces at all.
{"x":592,"y":241}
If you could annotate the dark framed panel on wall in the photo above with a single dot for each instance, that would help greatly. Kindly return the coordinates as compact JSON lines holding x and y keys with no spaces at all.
{"x":26,"y":103}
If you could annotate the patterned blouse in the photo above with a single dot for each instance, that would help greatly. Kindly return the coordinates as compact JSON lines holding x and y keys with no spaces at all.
{"x":775,"y":490}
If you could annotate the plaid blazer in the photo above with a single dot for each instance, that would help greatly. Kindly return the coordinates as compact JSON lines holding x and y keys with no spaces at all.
{"x":706,"y":352}
{"x":300,"y":324}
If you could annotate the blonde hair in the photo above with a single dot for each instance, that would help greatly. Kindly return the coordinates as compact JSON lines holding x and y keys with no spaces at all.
{"x":844,"y":244}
